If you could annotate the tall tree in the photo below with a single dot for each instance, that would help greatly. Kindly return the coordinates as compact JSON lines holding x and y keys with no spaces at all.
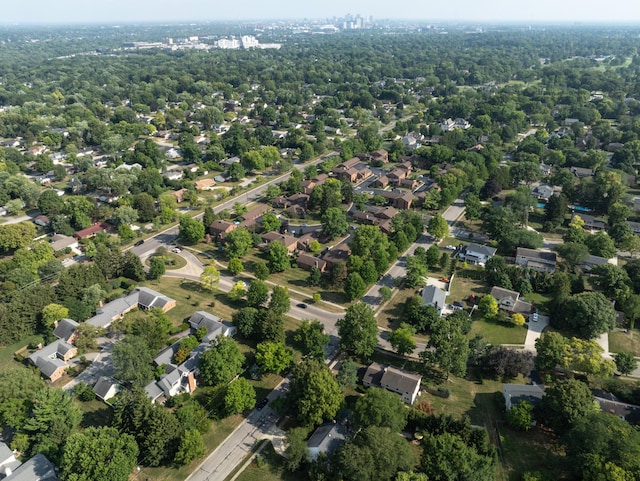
{"x":402,"y":339}
{"x":132,"y":360}
{"x":358,"y":330}
{"x":222,"y":362}
{"x":312,"y":338}
{"x":315,"y":393}
{"x":210,"y":278}
{"x":382,"y":408}
{"x":564,"y":403}
{"x":334,"y":222}
{"x":239,"y":397}
{"x":438,"y":227}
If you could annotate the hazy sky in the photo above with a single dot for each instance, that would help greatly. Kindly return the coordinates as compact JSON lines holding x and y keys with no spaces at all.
{"x":120,"y":11}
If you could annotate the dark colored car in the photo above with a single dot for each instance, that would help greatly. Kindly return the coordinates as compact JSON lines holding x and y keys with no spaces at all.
{"x":262,"y":403}
{"x":302,"y":305}
{"x":139,"y":243}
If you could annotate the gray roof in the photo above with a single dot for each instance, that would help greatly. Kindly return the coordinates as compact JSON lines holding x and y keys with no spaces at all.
{"x":149,"y":299}
{"x":328,"y":437}
{"x":104,"y":384}
{"x":65,"y":328}
{"x":166,"y":356}
{"x":38,"y":468}
{"x":400,"y":380}
{"x":5,"y":453}
{"x":47,"y":360}
{"x":153,"y":390}
{"x":536,"y":254}
{"x":114,"y":309}
{"x":480,"y":249}
{"x":523,"y":392}
{"x":60,"y":241}
{"x":432,"y":295}
{"x":215,"y":326}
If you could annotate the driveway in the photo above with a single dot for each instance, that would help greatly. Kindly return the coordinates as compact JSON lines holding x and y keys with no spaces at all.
{"x":101,"y":365}
{"x":535,"y":331}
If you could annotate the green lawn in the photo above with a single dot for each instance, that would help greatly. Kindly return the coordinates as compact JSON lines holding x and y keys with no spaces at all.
{"x":7,"y":360}
{"x":621,"y":341}
{"x":464,"y":284}
{"x":498,"y":332}
{"x":190,"y":296}
{"x":171,"y":261}
{"x":95,"y":413}
{"x":391,"y":315}
{"x":268,"y":466}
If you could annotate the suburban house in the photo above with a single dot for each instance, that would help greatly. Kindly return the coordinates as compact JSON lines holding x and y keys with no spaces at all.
{"x":387,"y":213}
{"x":402,"y":201}
{"x":177,"y":380}
{"x":380,"y":156}
{"x":352,"y":170}
{"x":393,"y":379}
{"x":215,"y":326}
{"x":106,"y":388}
{"x":173,"y":175}
{"x":307,"y":262}
{"x":141,"y":297}
{"x":178,"y":194}
{"x":38,"y":468}
{"x":91,"y":231}
{"x":510,"y":301}
{"x":409,"y":183}
{"x":220,"y":228}
{"x":581,"y":172}
{"x":449,"y":125}
{"x":204,"y":184}
{"x":60,"y":242}
{"x":339,"y":253}
{"x":381,"y":182}
{"x":635,"y":227}
{"x":65,"y":330}
{"x":396,"y":175}
{"x":434,"y":296}
{"x":309,"y":185}
{"x":543,"y":261}
{"x":251,"y":218}
{"x":514,"y":393}
{"x":609,"y":403}
{"x":326,"y":439}
{"x":365,"y":217}
{"x":290,"y":242}
{"x":52,"y":359}
{"x":542,"y":192}
{"x":476,"y":253}
{"x":593,"y":261}
{"x":591,"y":223}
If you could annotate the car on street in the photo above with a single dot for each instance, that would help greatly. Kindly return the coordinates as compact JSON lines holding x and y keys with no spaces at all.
{"x":302,"y":305}
{"x":262,"y":403}
{"x":176,"y":250}
{"x":139,"y":243}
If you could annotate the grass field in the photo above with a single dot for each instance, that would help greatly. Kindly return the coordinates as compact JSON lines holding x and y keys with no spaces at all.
{"x":621,"y":341}
{"x":391,"y":315}
{"x":171,"y":261}
{"x":498,"y":332}
{"x":7,"y":360}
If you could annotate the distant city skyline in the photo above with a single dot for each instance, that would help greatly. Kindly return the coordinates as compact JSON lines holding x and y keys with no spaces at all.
{"x":165,"y":11}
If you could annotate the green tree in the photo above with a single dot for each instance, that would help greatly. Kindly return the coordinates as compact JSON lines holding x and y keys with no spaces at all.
{"x":54,"y":416}
{"x":564,"y":403}
{"x":273,"y":357}
{"x":132,"y":360}
{"x":438,"y":227}
{"x":601,"y":245}
{"x":348,"y":373}
{"x":157,"y":267}
{"x":448,"y":348}
{"x":240,"y":396}
{"x":238,"y":291}
{"x":334,"y":222}
{"x":210,"y":278}
{"x":235,"y":266}
{"x":245,"y":320}
{"x":358,"y":330}
{"x":237,"y":242}
{"x":124,"y":215}
{"x":17,"y":390}
{"x":261,"y":271}
{"x":236,"y":172}
{"x":312,"y":338}
{"x":374,"y":455}
{"x":191,"y":230}
{"x":270,"y":222}
{"x":386,"y":293}
{"x":488,"y":306}
{"x":472,"y":207}
{"x":193,"y":416}
{"x":280,"y":302}
{"x":278,"y":257}
{"x":432,"y":256}
{"x":315,"y":394}
{"x":402,"y":340}
{"x":191,"y":447}
{"x":573,"y":253}
{"x":446,"y":456}
{"x":625,"y":362}
{"x":52,"y":313}
{"x":589,"y":314}
{"x":296,"y":450}
{"x":258,"y":294}
{"x":354,"y":286}
{"x":382,"y":408}
{"x":222,"y":362}
{"x":520,"y":416}
{"x":99,"y":454}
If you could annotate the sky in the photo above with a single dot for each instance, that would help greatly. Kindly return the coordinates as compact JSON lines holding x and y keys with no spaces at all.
{"x":490,"y":11}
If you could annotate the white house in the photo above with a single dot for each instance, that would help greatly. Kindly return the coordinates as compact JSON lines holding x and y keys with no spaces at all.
{"x":106,"y":388}
{"x":393,"y":379}
{"x":326,"y":439}
{"x":434,"y":296}
{"x":476,"y":253}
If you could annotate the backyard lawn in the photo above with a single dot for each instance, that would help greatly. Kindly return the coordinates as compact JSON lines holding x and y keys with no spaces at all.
{"x":498,"y":332}
{"x":621,"y":341}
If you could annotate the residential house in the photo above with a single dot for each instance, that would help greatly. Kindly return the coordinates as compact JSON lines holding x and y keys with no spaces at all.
{"x":65,"y":330}
{"x":542,"y":192}
{"x":290,"y":242}
{"x":409,"y":183}
{"x":609,"y":403}
{"x":204,"y":184}
{"x":251,"y":218}
{"x":307,"y":262}
{"x":91,"y":231}
{"x":380,"y":156}
{"x":280,"y":202}
{"x":593,"y":261}
{"x":106,"y":388}
{"x":396,"y":175}
{"x":449,"y":125}
{"x":339,"y":253}
{"x":543,"y":261}
{"x":299,"y":199}
{"x":476,"y":253}
{"x":305,"y":240}
{"x":400,"y":200}
{"x":179,"y":194}
{"x":295,"y":211}
{"x":52,"y":359}
{"x":176,"y":381}
{"x":220,"y":228}
{"x":393,"y":379}
{"x":365,"y":217}
{"x":381,"y":182}
{"x":510,"y":301}
{"x":352,"y":170}
{"x":514,"y":393}
{"x":8,"y":461}
{"x":326,"y":439}
{"x":230,"y":161}
{"x":591,"y":223}
{"x":60,"y":242}
{"x":38,"y":468}
{"x":387,"y":213}
{"x":434,"y":296}
{"x":173,"y":175}
{"x":140,"y":297}
{"x":581,"y":172}
{"x":42,"y":221}
{"x":215,"y":326}
{"x":309,"y":185}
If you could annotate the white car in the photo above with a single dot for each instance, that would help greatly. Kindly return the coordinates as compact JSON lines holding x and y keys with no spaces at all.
{"x":534,"y":316}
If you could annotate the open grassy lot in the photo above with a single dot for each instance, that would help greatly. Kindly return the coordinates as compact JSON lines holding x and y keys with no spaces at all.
{"x":171,"y":261}
{"x":464,"y":284}
{"x":621,"y":341}
{"x":7,"y":361}
{"x":268,"y":466}
{"x":498,"y":332}
{"x":95,"y":413}
{"x":391,"y":315}
{"x":190,"y":296}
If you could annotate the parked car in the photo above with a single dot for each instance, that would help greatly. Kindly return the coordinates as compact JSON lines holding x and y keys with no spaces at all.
{"x":302,"y":305}
{"x":139,"y":243}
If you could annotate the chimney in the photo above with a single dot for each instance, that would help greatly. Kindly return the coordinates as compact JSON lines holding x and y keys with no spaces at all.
{"x":55,"y":324}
